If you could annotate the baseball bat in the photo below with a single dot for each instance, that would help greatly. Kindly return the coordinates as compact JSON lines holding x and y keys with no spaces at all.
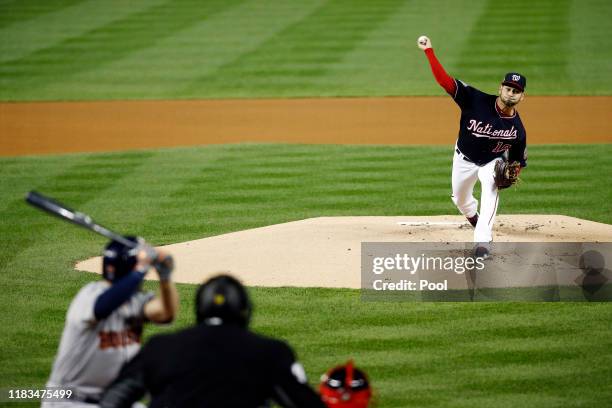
{"x":83,"y":220}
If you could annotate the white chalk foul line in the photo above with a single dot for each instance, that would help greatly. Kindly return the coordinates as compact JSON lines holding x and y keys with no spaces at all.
{"x":417,"y":223}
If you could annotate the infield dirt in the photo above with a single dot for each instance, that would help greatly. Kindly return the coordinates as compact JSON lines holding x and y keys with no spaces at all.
{"x":61,"y":127}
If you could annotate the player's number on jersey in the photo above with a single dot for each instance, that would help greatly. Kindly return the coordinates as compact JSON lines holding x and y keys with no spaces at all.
{"x":501,"y":147}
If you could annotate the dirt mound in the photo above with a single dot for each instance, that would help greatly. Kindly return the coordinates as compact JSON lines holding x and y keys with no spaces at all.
{"x":325,"y":252}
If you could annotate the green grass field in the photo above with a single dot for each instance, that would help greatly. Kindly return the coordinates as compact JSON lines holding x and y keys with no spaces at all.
{"x":418,"y":354}
{"x":71,"y":50}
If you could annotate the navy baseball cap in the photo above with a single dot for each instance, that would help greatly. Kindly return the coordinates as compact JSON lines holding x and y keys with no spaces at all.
{"x":515,"y":80}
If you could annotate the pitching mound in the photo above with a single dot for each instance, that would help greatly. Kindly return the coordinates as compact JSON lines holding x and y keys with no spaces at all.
{"x":325,"y":252}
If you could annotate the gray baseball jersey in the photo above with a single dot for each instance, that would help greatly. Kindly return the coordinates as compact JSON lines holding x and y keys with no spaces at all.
{"x":91,"y":352}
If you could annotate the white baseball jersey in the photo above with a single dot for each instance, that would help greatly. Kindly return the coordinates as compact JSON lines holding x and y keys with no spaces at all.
{"x":91,"y":352}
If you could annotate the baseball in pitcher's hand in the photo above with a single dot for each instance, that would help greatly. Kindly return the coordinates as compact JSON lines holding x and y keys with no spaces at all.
{"x":424,"y":42}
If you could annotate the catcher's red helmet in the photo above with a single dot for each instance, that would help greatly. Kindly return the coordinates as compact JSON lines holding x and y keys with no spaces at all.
{"x":345,"y":386}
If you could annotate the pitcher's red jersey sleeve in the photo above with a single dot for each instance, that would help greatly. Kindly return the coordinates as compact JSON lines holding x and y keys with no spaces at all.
{"x":445,"y":81}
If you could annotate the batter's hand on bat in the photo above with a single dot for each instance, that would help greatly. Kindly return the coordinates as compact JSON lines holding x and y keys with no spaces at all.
{"x":149,"y":256}
{"x":424,"y":42}
{"x":164,"y":265}
{"x":145,"y":254}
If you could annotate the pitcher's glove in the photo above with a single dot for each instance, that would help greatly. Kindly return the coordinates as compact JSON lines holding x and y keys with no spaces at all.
{"x":506,"y":173}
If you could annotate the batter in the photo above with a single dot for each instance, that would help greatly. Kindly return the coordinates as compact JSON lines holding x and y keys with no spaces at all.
{"x":105,"y":321}
{"x":490,"y":129}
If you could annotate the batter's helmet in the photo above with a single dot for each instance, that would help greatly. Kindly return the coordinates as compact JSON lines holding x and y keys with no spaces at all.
{"x":119,"y":260}
{"x":221,"y":300}
{"x":345,"y":386}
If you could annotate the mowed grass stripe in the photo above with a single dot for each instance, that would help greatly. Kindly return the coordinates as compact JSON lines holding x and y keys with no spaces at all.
{"x":190,"y":49}
{"x":104,"y":44}
{"x":590,"y":63}
{"x":538,"y":48}
{"x":295,"y":57}
{"x":18,"y":175}
{"x":43,"y":30}
{"x":76,"y":185}
{"x":175,"y":60}
{"x":449,"y":356}
{"x":304,"y":184}
{"x":19,"y":11}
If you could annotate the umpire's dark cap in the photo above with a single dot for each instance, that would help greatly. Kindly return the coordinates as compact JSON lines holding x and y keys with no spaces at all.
{"x":222,"y":300}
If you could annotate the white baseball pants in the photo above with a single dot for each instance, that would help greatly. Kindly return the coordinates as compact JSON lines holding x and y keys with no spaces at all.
{"x":465,"y":175}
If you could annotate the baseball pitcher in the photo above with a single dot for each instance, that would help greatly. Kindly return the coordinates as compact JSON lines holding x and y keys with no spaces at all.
{"x":491,"y":146}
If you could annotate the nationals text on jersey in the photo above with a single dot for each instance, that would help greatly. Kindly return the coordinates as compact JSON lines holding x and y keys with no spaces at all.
{"x":487,"y":131}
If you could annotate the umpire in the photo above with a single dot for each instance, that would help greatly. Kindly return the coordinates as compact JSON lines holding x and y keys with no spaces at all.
{"x":217,"y":363}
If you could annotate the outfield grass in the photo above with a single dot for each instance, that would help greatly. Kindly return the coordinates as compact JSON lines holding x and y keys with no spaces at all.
{"x":418,"y":354}
{"x":75,"y":50}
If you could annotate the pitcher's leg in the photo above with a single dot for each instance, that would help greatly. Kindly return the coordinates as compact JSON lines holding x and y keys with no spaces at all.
{"x":465,"y":175}
{"x":489,"y":200}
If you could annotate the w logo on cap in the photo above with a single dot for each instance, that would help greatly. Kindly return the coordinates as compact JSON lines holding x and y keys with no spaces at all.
{"x":515,"y":80}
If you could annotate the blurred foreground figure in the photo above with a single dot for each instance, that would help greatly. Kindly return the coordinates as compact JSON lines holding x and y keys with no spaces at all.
{"x":105,"y":321}
{"x":345,"y":386}
{"x":217,"y":363}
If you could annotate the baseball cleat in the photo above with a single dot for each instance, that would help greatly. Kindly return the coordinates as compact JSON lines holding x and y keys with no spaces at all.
{"x":473,"y":220}
{"x":481,"y":252}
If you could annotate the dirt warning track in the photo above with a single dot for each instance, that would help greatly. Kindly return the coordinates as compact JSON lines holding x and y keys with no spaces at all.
{"x":60,"y":127}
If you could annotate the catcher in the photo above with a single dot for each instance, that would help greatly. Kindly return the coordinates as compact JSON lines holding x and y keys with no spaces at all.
{"x":491,"y":146}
